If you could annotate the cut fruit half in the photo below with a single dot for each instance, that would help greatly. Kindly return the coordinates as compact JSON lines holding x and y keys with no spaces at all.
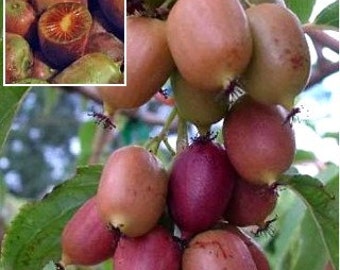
{"x":63,"y":32}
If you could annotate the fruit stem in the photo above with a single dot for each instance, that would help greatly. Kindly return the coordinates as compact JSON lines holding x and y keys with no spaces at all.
{"x":182,"y":135}
{"x":153,"y":144}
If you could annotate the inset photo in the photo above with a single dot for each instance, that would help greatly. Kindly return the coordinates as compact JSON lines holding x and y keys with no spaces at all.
{"x":64,"y":42}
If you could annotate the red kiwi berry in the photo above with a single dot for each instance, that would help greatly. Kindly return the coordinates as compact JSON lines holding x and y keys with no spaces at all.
{"x":63,"y":31}
{"x":132,"y":190}
{"x":215,"y":250}
{"x":19,"y":58}
{"x":149,"y":61}
{"x":20,"y":18}
{"x":202,"y":108}
{"x":200,"y":186}
{"x":41,"y":5}
{"x":211,"y":44}
{"x":260,"y":145}
{"x":280,"y":66}
{"x":107,"y":43}
{"x":255,"y":249}
{"x":86,"y":239}
{"x":157,"y":250}
{"x":114,"y":12}
{"x":250,"y":204}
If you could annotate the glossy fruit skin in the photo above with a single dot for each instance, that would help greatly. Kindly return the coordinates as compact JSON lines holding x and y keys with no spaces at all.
{"x":156,"y":250}
{"x":114,"y":12}
{"x":91,"y":68}
{"x":86,"y":239}
{"x":107,"y":43}
{"x":132,"y":190}
{"x":19,"y":58}
{"x":20,"y":18}
{"x":215,"y":250}
{"x":202,"y":108}
{"x":250,"y":204}
{"x":280,"y":65}
{"x":68,"y":44}
{"x":200,"y":186}
{"x":259,"y":142}
{"x":149,"y":61}
{"x":255,"y":249}
{"x":209,"y":55}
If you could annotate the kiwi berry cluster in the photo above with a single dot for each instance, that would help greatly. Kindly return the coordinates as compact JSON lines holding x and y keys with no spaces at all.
{"x":227,"y":60}
{"x":64,"y":41}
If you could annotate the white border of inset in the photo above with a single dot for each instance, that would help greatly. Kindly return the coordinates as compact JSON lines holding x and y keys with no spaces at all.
{"x":58,"y":85}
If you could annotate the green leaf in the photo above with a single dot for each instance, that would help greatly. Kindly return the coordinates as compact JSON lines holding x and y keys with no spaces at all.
{"x":10,"y":101}
{"x":302,"y":10}
{"x":303,"y":156}
{"x":323,"y":206}
{"x":86,"y":136}
{"x":329,"y":16}
{"x":33,"y":238}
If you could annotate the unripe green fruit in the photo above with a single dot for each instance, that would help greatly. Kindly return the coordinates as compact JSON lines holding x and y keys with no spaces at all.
{"x":259,"y":140}
{"x":92,"y":68}
{"x":149,"y":65}
{"x":202,"y":108}
{"x":132,"y":190}
{"x":280,"y":65}
{"x":210,"y":43}
{"x":19,"y":58}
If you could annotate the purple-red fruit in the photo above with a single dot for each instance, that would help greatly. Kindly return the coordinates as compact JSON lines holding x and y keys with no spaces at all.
{"x":250,"y":204}
{"x":86,"y":239}
{"x":156,"y":250}
{"x":200,"y":186}
{"x":216,"y":250}
{"x":259,"y":140}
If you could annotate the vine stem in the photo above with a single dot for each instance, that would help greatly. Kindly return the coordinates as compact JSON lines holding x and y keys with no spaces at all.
{"x":154,"y":143}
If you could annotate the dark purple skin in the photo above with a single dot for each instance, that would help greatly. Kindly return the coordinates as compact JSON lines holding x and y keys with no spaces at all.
{"x":250,"y":204}
{"x":200,"y":186}
{"x":156,"y":250}
{"x":86,"y":239}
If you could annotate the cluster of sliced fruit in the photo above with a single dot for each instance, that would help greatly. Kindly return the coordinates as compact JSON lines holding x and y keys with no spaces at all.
{"x":64,"y":41}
